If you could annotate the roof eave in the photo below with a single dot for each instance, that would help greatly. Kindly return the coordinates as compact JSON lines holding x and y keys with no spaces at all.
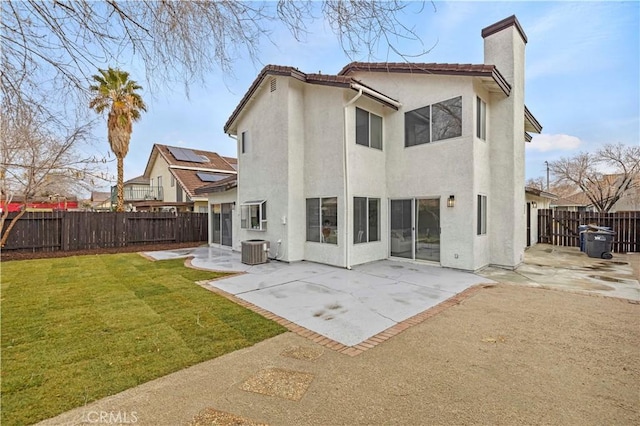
{"x":531,"y":124}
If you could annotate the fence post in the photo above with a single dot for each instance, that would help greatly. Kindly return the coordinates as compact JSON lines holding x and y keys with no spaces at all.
{"x":120,"y":229}
{"x":65,"y":236}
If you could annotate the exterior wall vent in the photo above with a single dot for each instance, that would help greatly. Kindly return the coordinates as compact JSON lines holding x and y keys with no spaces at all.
{"x":273,"y":84}
{"x":255,"y":252}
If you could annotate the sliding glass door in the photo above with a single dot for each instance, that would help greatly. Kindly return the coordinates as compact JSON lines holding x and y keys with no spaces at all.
{"x":402,"y":228}
{"x":415,"y":228}
{"x":428,"y":229}
{"x":221,"y":227}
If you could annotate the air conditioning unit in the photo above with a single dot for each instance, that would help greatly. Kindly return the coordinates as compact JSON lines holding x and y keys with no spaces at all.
{"x":255,"y":252}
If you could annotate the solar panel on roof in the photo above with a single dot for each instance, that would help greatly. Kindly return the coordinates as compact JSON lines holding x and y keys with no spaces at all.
{"x":184,"y":154}
{"x":210,"y":177}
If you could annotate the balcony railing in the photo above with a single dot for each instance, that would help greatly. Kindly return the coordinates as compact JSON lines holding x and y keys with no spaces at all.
{"x":138,"y":193}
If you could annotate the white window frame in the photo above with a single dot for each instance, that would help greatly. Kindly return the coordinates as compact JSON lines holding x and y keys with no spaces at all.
{"x":243,"y":142}
{"x":321,"y":219}
{"x":430,"y":108}
{"x":481,"y":214}
{"x":481,"y":119}
{"x":369,"y":124}
{"x":253,"y":215}
{"x":365,"y":238}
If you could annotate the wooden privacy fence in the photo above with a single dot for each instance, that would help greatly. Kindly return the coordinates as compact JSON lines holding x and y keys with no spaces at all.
{"x":51,"y":231}
{"x":560,"y":228}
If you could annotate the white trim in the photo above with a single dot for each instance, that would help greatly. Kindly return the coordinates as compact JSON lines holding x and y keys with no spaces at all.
{"x":203,"y":169}
{"x":375,"y":94}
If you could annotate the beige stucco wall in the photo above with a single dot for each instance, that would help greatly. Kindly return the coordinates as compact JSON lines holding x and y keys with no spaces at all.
{"x":507,"y":215}
{"x":263,"y":169}
{"x":161,"y":168}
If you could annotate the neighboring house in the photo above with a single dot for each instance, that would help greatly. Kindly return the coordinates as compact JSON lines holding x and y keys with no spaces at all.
{"x":579,"y":202}
{"x":222,"y":201}
{"x":400,"y":160}
{"x":172,"y":176}
{"x":536,"y":199}
{"x":100,"y":201}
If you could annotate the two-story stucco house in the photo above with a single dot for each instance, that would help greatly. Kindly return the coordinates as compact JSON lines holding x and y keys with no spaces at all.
{"x":420,"y":161}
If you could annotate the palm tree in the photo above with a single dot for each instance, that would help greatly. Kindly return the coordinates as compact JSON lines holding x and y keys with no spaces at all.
{"x":117,"y":94}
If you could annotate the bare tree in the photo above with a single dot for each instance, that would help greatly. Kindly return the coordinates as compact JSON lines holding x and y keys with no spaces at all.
{"x":66,"y":41}
{"x":537,"y":183}
{"x":604,"y":176}
{"x":39,"y":156}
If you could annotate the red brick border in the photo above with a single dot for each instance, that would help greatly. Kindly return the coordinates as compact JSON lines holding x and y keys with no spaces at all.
{"x":372,"y":341}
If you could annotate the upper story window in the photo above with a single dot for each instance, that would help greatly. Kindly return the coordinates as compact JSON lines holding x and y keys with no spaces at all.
{"x":481,"y":119}
{"x":244,"y":142}
{"x":253,"y":215}
{"x":159,"y":181}
{"x":434,"y":122}
{"x":368,"y":129}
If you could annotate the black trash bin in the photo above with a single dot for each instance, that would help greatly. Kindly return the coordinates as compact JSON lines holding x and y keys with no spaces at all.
{"x":598,"y":244}
{"x":582,"y":229}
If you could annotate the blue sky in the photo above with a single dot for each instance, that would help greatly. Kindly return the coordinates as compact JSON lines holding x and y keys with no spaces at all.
{"x":582,"y":76}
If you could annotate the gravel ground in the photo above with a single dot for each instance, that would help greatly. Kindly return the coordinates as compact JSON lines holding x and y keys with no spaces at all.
{"x":507,"y":355}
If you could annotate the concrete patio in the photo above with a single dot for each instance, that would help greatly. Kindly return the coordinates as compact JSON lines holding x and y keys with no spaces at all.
{"x":347,"y":306}
{"x":351,"y":306}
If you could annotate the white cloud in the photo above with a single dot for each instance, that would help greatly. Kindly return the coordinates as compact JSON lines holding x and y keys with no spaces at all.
{"x":545,"y":143}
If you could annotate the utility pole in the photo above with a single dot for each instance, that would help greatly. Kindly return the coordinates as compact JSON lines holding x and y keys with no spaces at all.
{"x":547,"y":164}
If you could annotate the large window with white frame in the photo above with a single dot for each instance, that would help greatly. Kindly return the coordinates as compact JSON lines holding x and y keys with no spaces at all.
{"x":366,"y":220}
{"x":481,"y":119}
{"x":432,"y":123}
{"x":322,"y":220}
{"x":482,"y":215}
{"x":368,"y":129}
{"x":253,"y":215}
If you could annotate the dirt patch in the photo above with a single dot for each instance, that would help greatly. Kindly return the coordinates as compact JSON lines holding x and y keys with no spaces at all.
{"x":6,"y":255}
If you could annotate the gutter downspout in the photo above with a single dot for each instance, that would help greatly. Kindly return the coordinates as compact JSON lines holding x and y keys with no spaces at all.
{"x":347,"y":245}
{"x":234,"y":220}
{"x":376,"y":95}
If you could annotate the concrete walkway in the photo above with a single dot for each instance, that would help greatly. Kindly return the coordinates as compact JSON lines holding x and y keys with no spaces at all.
{"x":346,"y":306}
{"x":568,"y":269}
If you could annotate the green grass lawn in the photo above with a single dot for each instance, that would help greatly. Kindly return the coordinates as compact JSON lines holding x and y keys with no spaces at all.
{"x":77,"y":329}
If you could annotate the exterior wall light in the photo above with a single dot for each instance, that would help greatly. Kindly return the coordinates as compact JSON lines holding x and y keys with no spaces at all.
{"x":451,"y":201}
{"x":534,"y":204}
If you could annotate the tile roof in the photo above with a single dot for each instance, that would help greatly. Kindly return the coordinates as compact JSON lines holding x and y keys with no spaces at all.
{"x":539,"y":192}
{"x":473,"y":70}
{"x":101,"y":196}
{"x":488,"y":73}
{"x":139,"y":180}
{"x":220,"y":186}
{"x":287,"y":71}
{"x":190,"y":181}
{"x":216,"y":162}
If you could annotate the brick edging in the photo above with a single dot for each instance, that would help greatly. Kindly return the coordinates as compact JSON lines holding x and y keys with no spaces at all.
{"x":367,"y":344}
